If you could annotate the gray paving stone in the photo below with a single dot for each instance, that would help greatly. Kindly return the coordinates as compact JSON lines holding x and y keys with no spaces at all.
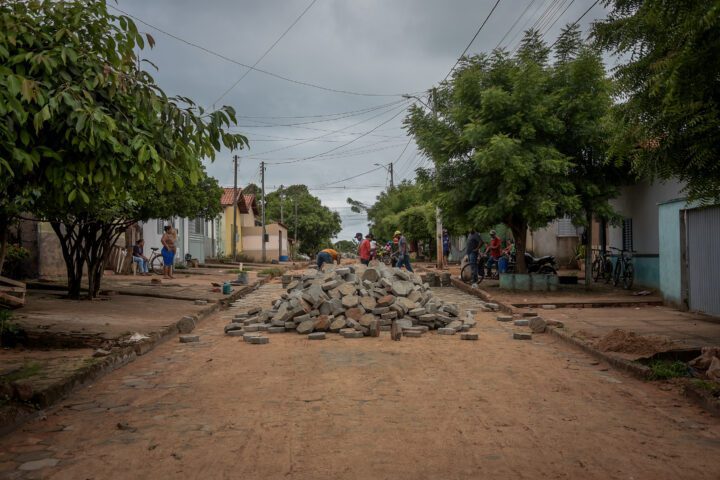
{"x":189,"y":338}
{"x":235,"y":333}
{"x":258,"y":340}
{"x":504,"y":318}
{"x":316,"y":336}
{"x":522,"y":336}
{"x":276,"y":330}
{"x":469,"y":336}
{"x":521,"y":322}
{"x":446,"y":331}
{"x":352,"y":334}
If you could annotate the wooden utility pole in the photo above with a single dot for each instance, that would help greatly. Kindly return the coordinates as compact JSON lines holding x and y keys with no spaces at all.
{"x":235,"y":201}
{"x":296,"y":223}
{"x":262,"y":177}
{"x":392,"y":180}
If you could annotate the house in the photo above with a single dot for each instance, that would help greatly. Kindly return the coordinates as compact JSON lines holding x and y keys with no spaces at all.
{"x":559,"y":239}
{"x":277,"y":244}
{"x":675,"y":243}
{"x":234,"y":207}
{"x":194,"y":236}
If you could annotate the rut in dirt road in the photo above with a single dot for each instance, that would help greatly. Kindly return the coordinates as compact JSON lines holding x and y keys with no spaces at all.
{"x":422,"y":408}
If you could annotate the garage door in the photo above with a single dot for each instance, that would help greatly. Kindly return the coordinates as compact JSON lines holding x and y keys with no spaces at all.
{"x":703,"y":257}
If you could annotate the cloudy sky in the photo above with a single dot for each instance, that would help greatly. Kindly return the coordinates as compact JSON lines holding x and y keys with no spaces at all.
{"x":372,"y":50}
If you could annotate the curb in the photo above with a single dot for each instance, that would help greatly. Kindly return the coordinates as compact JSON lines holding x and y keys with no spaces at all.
{"x":482,"y":294}
{"x":122,"y":356}
{"x":702,"y":398}
{"x":635,"y":369}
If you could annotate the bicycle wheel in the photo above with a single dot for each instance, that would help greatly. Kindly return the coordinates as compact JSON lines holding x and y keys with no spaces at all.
{"x":466,"y":274}
{"x":628,"y":276}
{"x":596,"y":269}
{"x":157,"y":265}
{"x":547,"y":270}
{"x":617,"y":272}
{"x":607,"y":270}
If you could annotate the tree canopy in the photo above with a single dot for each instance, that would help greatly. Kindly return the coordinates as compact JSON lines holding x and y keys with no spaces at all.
{"x":316,"y":223}
{"x":668,"y":119}
{"x":516,"y":139}
{"x":87,"y":136}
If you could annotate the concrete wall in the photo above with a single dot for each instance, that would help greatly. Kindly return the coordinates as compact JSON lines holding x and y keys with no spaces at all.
{"x":546,"y":241}
{"x":50,"y":259}
{"x":669,"y":244}
{"x":252,"y":240}
{"x":226,"y":228}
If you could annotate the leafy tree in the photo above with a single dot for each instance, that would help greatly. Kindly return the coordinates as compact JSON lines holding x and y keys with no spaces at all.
{"x":668,"y":121}
{"x":407,"y":208}
{"x":346,"y":246}
{"x":86,"y":133}
{"x":492,"y":137}
{"x":316,"y":223}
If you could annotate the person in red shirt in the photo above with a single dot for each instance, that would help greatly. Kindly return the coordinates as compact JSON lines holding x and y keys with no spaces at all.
{"x":364,"y":250}
{"x":493,"y":250}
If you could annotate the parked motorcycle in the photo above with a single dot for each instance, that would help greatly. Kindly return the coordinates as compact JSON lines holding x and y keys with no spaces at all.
{"x":545,"y":265}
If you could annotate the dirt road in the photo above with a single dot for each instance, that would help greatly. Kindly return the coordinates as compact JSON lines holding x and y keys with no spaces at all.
{"x":428,"y":408}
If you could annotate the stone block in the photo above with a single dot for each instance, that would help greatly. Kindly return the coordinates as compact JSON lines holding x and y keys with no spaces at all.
{"x":537,"y":325}
{"x":254,"y":311}
{"x":233,"y":326}
{"x":548,"y":307}
{"x":354,"y":313}
{"x":252,"y":328}
{"x":236,"y":333}
{"x":368,"y":303}
{"x":529,"y":314}
{"x":305,"y":327}
{"x":322,"y":323}
{"x":446,"y":331}
{"x":290,"y":325}
{"x":380,"y":310}
{"x":521,"y":322}
{"x":337,"y":324}
{"x":389,"y":315}
{"x":350,"y":301}
{"x":417,"y":312}
{"x":401,"y":288}
{"x":469,"y":336}
{"x":276,"y":330}
{"x":504,"y":318}
{"x":522,"y":336}
{"x":200,"y":302}
{"x":316,"y":336}
{"x":370,"y":275}
{"x":455,"y":325}
{"x":189,"y":338}
{"x":412,"y":333}
{"x":385,"y":301}
{"x":258,"y":340}
{"x":351,"y":334}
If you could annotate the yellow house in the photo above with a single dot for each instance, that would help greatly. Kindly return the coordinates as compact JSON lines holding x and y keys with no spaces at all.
{"x":246,"y":210}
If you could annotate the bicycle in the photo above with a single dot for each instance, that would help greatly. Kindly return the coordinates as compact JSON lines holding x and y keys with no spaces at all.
{"x":156,"y":261}
{"x":466,"y":272}
{"x":624,"y":268}
{"x":602,"y":267}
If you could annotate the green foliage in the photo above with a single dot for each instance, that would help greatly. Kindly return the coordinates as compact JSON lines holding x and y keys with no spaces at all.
{"x":8,"y":329}
{"x":271,"y":272}
{"x":668,"y":123}
{"x":88,"y":141}
{"x":666,"y":369}
{"x":519,"y":141}
{"x":316,"y":223}
{"x":407,"y":208}
{"x":345,"y":246}
{"x":29,"y":369}
{"x":15,"y":261}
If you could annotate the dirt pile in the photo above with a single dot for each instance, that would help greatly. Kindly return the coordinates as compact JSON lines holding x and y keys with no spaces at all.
{"x":622,"y":341}
{"x":354,"y":301}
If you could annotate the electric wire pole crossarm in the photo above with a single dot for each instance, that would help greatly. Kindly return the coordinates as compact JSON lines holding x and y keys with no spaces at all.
{"x":388,"y":168}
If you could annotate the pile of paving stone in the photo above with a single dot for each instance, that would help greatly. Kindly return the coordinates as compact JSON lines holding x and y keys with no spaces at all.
{"x":354,"y":301}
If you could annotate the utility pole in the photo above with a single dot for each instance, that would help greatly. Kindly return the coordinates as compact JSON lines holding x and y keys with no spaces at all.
{"x":262,"y":176}
{"x":296,"y":221}
{"x":392,"y":183}
{"x":235,"y":201}
{"x":282,"y":200}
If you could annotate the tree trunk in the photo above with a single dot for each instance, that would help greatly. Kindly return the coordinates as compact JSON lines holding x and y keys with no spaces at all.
{"x":588,"y":251}
{"x":69,"y":236}
{"x":519,"y":231}
{"x":4,"y":226}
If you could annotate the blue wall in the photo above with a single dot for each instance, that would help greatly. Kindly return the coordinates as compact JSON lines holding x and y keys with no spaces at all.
{"x":647,"y":272}
{"x":669,"y":236}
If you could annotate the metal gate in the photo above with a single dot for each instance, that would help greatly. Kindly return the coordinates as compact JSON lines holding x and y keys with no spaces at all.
{"x":703,"y":259}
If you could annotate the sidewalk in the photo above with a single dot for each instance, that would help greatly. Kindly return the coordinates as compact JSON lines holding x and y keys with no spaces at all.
{"x":60,"y":349}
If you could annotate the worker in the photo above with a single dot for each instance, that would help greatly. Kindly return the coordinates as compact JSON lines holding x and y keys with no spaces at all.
{"x":403,"y":251}
{"x":364,"y":250}
{"x":327,"y":256}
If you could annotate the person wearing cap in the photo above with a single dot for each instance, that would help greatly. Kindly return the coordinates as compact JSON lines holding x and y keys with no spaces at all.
{"x":493,"y":250}
{"x":403,"y":252}
{"x":364,"y":250}
{"x":327,"y":256}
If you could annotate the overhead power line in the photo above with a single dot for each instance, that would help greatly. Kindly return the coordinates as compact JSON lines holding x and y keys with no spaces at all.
{"x":349,"y":178}
{"x":579,"y":18}
{"x":515,"y":23}
{"x":264,"y":54}
{"x":473,"y":39}
{"x":547,"y":30}
{"x":256,"y":69}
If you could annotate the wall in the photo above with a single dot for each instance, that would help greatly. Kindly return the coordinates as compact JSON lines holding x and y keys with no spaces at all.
{"x":50,"y":259}
{"x":546,"y":241}
{"x":253,"y":247}
{"x":226,"y":231}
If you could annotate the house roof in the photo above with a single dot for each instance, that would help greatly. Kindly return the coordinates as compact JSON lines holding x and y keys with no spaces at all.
{"x":228,"y":198}
{"x":250,"y":203}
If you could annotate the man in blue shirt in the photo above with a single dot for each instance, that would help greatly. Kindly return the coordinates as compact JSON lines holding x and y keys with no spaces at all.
{"x":472,"y":248}
{"x":403,"y":252}
{"x":445,"y":248}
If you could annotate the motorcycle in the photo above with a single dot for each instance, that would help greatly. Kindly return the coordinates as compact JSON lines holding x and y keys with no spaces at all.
{"x":545,"y":265}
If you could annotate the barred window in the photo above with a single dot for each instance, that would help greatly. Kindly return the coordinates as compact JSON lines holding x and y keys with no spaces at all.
{"x":565,"y":227}
{"x":627,"y":234}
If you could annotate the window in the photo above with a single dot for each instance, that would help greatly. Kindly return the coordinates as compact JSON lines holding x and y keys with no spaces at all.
{"x":565,"y":228}
{"x":198,"y":226}
{"x":627,"y":234}
{"x":160,"y":224}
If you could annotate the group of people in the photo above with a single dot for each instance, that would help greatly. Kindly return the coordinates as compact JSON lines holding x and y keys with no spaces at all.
{"x":169,"y":243}
{"x":368,"y":251}
{"x":494,"y":250}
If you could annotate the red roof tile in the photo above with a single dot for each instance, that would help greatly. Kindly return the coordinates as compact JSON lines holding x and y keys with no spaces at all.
{"x":228,"y":197}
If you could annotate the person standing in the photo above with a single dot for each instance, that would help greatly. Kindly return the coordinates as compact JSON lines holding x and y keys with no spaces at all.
{"x":472,"y":248}
{"x":403,"y":253}
{"x":494,"y":250}
{"x":139,"y":258}
{"x":364,"y":250}
{"x":445,"y":248}
{"x":327,"y":256}
{"x":168,"y":241}
{"x":373,"y":247}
